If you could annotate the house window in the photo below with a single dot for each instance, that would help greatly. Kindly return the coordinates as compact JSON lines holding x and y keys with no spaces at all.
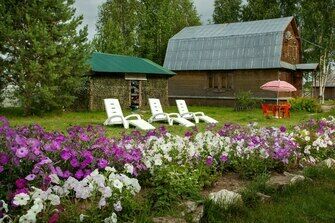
{"x":220,"y":81}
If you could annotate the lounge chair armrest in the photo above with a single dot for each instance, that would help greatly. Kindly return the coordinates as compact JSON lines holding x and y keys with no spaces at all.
{"x":196,"y":119}
{"x":124,"y":121}
{"x":133,"y":115}
{"x":187,"y":113}
{"x":165,"y":114}
{"x":174,"y":114}
{"x":199,"y":113}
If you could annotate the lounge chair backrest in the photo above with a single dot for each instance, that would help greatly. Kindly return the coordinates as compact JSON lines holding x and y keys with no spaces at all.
{"x":156,"y":107}
{"x":113,"y":107}
{"x":182,"y":107}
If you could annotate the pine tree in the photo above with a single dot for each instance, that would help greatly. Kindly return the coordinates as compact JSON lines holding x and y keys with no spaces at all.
{"x":227,"y":11}
{"x":44,"y":55}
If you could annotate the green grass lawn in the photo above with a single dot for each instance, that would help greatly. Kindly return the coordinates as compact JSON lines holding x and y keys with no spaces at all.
{"x":309,"y":201}
{"x":61,"y":121}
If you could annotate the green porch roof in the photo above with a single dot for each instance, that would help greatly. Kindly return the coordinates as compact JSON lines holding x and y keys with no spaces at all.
{"x":112,"y":63}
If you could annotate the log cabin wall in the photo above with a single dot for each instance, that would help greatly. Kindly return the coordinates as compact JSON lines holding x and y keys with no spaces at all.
{"x":115,"y":86}
{"x":291,"y":47}
{"x":220,"y":87}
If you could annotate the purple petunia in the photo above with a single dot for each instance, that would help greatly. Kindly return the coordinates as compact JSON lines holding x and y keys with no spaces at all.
{"x":65,"y":154}
{"x":209,"y":161}
{"x":102,"y":163}
{"x":74,"y":163}
{"x":30,"y":177}
{"x":4,"y":159}
{"x":20,"y":183}
{"x":282,"y":129}
{"x":21,"y":152}
{"x":79,"y":174}
{"x":224,"y":158}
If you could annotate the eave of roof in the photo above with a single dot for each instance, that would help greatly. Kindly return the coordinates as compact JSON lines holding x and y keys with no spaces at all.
{"x":307,"y":66}
{"x":111,"y":63}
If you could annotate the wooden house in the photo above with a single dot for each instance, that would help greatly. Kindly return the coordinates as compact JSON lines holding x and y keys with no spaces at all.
{"x":132,"y":80}
{"x":215,"y":62}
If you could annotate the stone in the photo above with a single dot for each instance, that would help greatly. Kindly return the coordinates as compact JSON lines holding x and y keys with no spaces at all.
{"x":190,"y":206}
{"x":168,"y":220}
{"x":278,"y":181}
{"x":330,"y":163}
{"x":197,"y":214}
{"x":294,"y":178}
{"x":226,"y":198}
{"x":263,"y":197}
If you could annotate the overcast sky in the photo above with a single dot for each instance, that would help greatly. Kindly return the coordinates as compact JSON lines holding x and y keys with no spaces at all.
{"x":89,"y":9}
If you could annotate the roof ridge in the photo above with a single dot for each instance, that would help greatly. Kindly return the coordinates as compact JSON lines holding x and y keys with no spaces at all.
{"x":286,"y":17}
{"x":118,"y":55}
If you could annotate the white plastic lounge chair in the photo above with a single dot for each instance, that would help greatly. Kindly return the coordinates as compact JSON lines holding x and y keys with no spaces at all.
{"x":115,"y":116}
{"x":196,"y":116}
{"x":159,"y":115}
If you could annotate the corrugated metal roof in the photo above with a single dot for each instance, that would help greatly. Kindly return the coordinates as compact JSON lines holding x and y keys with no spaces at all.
{"x":330,"y":82}
{"x":244,"y":45}
{"x":111,"y":63}
{"x":307,"y":66}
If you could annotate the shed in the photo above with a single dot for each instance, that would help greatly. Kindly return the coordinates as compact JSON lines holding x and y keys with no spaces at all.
{"x":132,"y":80}
{"x":214,"y":62}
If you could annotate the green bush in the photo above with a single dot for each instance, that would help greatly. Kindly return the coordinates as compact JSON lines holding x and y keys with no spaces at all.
{"x":305,"y":104}
{"x":173,"y":183}
{"x":245,"y":101}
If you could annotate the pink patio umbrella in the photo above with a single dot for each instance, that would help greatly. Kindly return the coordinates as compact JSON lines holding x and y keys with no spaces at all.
{"x":278,"y":86}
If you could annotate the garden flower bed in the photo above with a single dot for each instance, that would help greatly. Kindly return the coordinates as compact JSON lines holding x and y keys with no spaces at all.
{"x":47,"y":175}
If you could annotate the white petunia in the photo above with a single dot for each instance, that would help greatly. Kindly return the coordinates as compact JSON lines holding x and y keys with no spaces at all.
{"x":54,"y":178}
{"x":54,"y":199}
{"x":81,"y":217}
{"x":118,"y":206}
{"x":28,"y":218}
{"x":158,"y":161}
{"x":102,"y":202}
{"x":111,"y":219}
{"x":129,"y":168}
{"x":118,"y":184}
{"x":4,"y":205}
{"x":110,"y":169}
{"x":106,"y":191}
{"x":21,"y":199}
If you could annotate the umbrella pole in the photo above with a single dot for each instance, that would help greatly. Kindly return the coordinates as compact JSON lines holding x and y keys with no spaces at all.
{"x":277,"y":97}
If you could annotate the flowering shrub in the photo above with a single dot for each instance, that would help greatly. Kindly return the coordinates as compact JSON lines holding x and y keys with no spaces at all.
{"x":316,"y":139}
{"x":105,"y":192}
{"x":65,"y":167}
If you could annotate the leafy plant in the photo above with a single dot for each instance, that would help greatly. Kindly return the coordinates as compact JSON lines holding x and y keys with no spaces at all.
{"x":305,"y":104}
{"x":244,"y":101}
{"x":173,"y":183}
